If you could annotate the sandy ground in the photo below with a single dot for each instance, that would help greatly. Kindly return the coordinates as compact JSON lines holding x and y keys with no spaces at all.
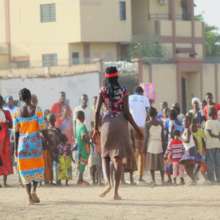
{"x":139,"y":202}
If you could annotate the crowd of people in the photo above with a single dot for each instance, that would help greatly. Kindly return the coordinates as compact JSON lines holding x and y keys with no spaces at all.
{"x":118,"y":134}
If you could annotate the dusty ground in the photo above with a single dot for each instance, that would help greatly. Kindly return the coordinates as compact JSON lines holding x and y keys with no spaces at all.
{"x":139,"y":202}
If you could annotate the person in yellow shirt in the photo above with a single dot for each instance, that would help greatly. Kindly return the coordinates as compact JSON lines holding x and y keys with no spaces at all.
{"x":199,"y":137}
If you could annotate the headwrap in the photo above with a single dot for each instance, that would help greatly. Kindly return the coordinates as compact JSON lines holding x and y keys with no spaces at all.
{"x":195,"y":99}
{"x":111,"y":72}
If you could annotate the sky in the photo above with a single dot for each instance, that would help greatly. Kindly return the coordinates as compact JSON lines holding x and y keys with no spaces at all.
{"x":210,"y":10}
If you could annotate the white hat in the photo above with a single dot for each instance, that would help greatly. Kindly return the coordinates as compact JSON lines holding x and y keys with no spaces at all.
{"x":196,"y":99}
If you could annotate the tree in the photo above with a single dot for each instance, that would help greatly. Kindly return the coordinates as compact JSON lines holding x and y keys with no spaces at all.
{"x":212,"y":38}
{"x":141,"y":49}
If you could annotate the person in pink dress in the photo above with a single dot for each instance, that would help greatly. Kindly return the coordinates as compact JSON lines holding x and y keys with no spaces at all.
{"x":6,"y":167}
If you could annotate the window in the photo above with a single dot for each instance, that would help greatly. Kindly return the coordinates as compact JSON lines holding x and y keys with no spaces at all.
{"x":75,"y":58}
{"x":49,"y":59}
{"x":47,"y":13}
{"x":23,"y":64}
{"x":122,"y":10}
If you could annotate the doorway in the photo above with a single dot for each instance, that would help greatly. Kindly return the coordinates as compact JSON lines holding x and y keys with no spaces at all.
{"x":190,"y":87}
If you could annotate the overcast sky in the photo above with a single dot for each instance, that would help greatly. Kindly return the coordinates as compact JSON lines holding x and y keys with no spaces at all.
{"x":211,"y":11}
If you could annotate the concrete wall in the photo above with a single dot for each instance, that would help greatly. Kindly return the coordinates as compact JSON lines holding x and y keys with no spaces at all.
{"x":4,"y":61}
{"x":208,"y":78}
{"x":104,"y":51}
{"x":77,"y":48}
{"x":164,"y":78}
{"x":198,"y":29}
{"x":157,"y":9}
{"x":166,"y":28}
{"x":198,"y":83}
{"x":47,"y":89}
{"x":100,"y":21}
{"x":183,"y":29}
{"x":4,"y":57}
{"x":166,"y":90}
{"x":211,"y":80}
{"x":2,"y":22}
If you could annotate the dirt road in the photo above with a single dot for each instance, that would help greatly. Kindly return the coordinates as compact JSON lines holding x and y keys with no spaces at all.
{"x":139,"y":202}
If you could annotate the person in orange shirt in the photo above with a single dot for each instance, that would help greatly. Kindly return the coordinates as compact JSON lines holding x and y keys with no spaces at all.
{"x":210,"y":103}
{"x":63,"y":114}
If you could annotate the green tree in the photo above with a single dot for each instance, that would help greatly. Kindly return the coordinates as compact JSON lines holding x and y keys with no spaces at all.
{"x":212,"y":38}
{"x":140,"y":49}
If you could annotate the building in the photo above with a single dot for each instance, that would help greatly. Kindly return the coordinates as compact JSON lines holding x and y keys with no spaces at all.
{"x":63,"y":32}
{"x":187,"y":73}
{"x":67,"y":32}
{"x":4,"y":38}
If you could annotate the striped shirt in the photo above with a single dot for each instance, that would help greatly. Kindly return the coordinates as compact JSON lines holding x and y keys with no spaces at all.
{"x":175,"y":150}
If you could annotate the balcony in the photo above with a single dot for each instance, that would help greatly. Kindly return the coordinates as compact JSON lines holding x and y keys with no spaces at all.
{"x":183,"y":28}
{"x":164,"y":30}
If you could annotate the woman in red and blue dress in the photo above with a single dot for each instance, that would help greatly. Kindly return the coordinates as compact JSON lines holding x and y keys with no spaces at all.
{"x":114,"y":130}
{"x":29,"y":149}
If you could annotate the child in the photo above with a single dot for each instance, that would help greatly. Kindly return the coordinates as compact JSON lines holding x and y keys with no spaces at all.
{"x":93,"y":164}
{"x":174,"y":153}
{"x":53,"y":137}
{"x":97,"y":143}
{"x":154,"y":143}
{"x":65,"y":161}
{"x":199,"y":137}
{"x":82,"y":137}
{"x":172,"y":124}
{"x":168,"y":170}
{"x":189,"y":157}
{"x":48,"y":162}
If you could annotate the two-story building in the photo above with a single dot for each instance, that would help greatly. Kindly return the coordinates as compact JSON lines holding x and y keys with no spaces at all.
{"x":67,"y":32}
{"x":61,"y":32}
